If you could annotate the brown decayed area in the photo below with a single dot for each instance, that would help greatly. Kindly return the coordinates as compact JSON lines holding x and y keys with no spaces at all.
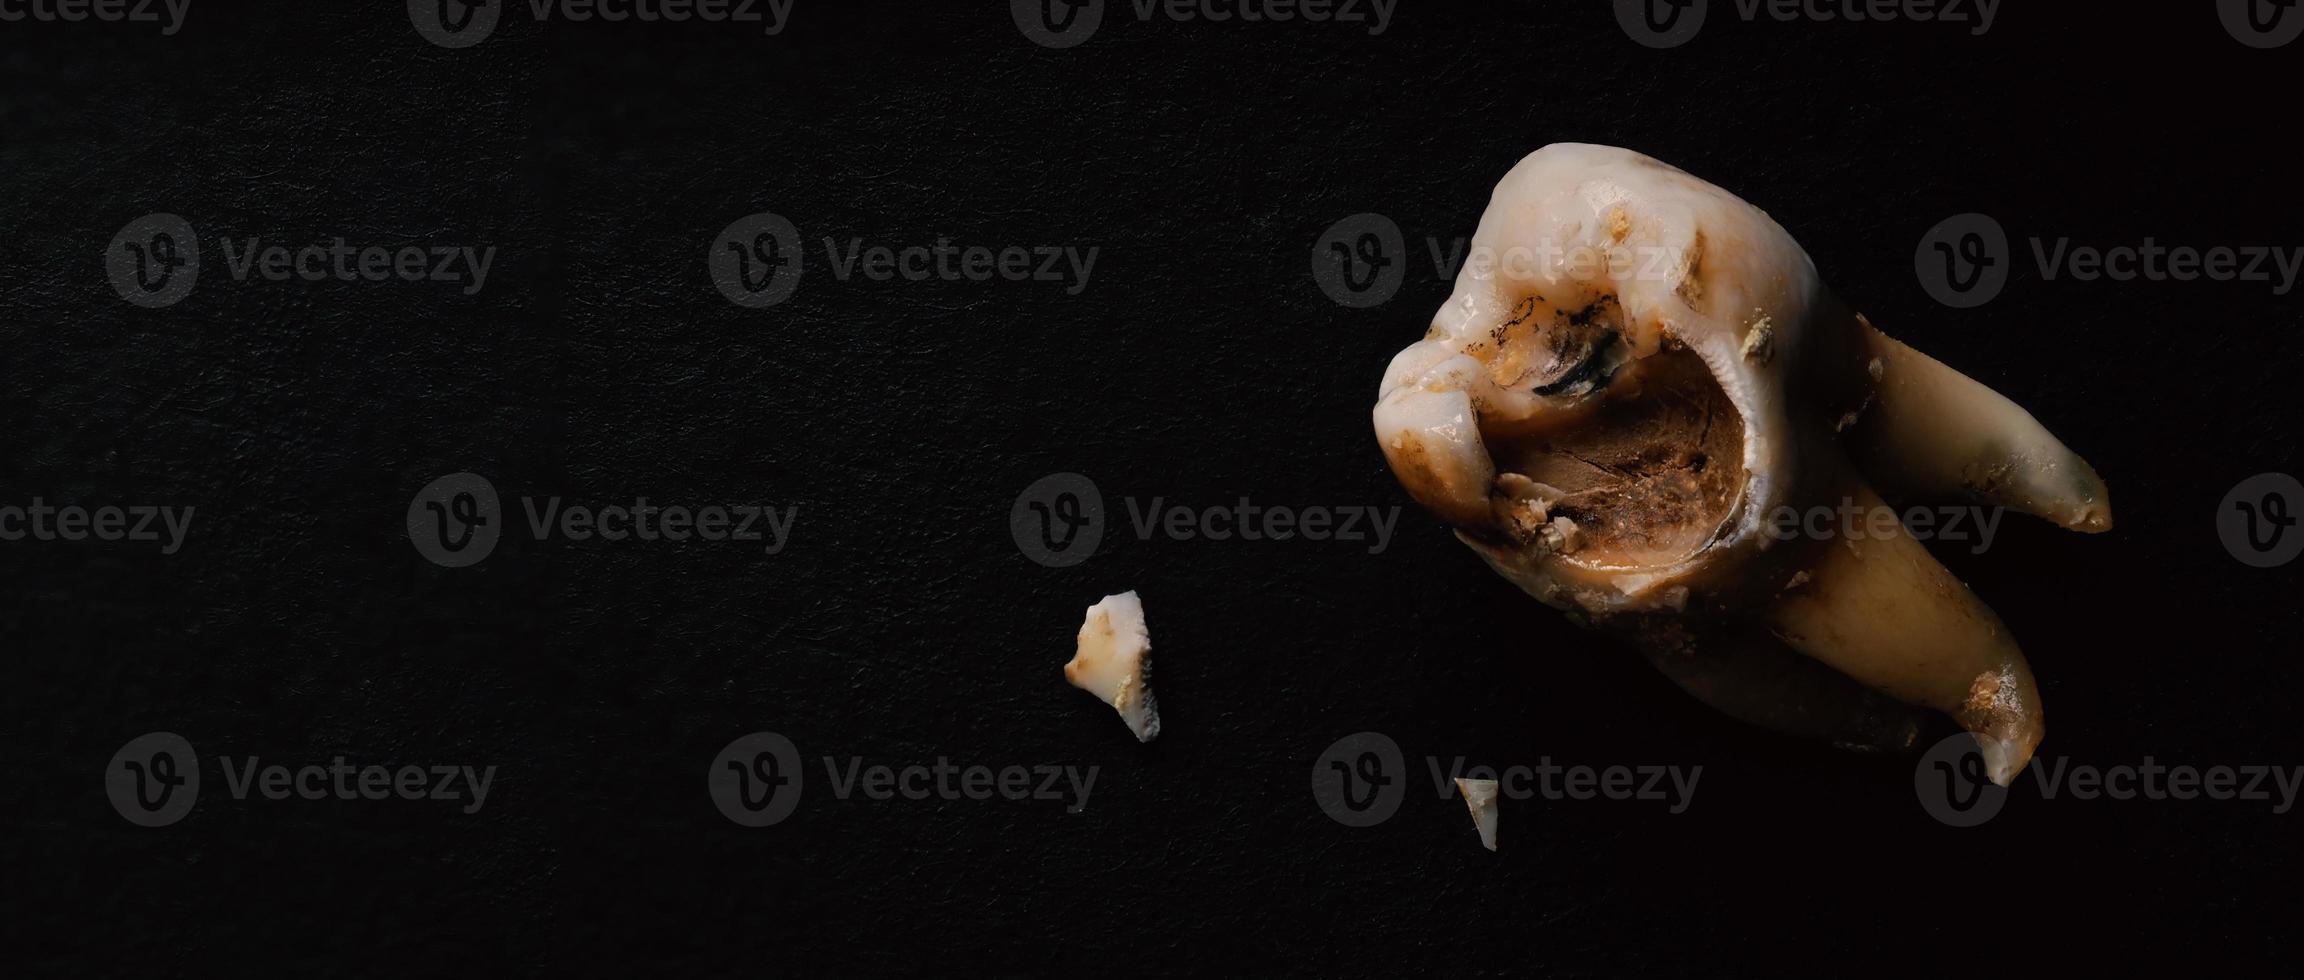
{"x":1651,"y":473}
{"x":1412,"y":463}
{"x":1537,"y":346}
{"x":1690,"y":287}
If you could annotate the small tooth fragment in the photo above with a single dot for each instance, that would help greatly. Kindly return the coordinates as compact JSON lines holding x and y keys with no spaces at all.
{"x":1480,"y":796}
{"x":1562,"y":535}
{"x":1760,"y":341}
{"x":1114,"y":662}
{"x":1933,"y":430}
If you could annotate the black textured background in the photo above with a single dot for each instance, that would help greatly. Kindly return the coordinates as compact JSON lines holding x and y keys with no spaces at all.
{"x":1200,"y":365}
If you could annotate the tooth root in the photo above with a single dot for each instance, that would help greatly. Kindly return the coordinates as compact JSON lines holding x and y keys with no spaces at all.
{"x":1432,"y":439}
{"x":1935,"y":431}
{"x":1747,"y":674}
{"x":1883,"y":611}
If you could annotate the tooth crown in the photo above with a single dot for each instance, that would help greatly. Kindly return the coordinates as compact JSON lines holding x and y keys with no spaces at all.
{"x":1666,"y":261}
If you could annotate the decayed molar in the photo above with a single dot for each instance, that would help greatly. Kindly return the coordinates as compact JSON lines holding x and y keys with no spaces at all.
{"x":1636,"y":371}
{"x":1114,"y":662}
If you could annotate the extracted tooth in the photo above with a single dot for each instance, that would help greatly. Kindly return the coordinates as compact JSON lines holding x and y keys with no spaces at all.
{"x":1480,"y":796}
{"x":1621,"y":403}
{"x":1114,"y":662}
{"x":1938,"y":432}
{"x":1884,"y":611}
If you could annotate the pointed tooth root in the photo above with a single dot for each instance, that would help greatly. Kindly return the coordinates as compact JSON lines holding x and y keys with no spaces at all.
{"x":1432,"y":439}
{"x":1935,"y":431}
{"x":1747,"y":674}
{"x":1883,"y":611}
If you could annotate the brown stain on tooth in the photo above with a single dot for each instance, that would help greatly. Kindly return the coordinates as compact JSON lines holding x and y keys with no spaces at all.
{"x":1690,"y":287}
{"x":1984,"y":693}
